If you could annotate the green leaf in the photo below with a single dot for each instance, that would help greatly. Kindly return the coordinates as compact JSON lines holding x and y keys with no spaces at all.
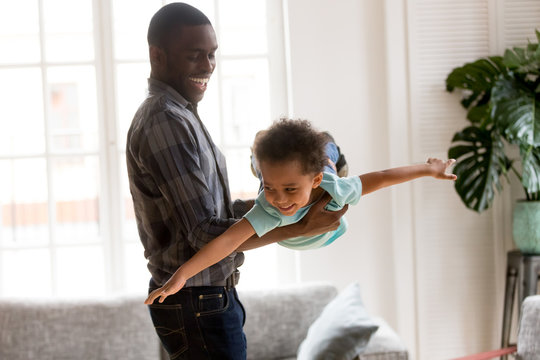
{"x":476,"y":79}
{"x":479,"y":114}
{"x":516,"y":111}
{"x":523,"y":60}
{"x":480,"y":163}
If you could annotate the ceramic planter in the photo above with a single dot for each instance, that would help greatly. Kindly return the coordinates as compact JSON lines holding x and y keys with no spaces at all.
{"x":526,"y":226}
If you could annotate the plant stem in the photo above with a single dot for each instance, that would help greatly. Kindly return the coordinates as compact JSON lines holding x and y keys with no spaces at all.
{"x":527,"y":195}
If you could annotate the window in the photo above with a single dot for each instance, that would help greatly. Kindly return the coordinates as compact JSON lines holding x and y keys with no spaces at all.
{"x":71,"y":87}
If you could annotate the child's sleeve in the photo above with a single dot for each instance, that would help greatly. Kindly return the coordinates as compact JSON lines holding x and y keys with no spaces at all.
{"x":345,"y":190}
{"x":262,"y":216}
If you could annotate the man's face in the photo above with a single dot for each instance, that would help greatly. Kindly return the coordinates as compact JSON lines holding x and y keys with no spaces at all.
{"x":189,"y":61}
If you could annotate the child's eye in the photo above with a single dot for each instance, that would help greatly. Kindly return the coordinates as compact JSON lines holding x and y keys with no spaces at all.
{"x":290,"y":189}
{"x":267,"y":188}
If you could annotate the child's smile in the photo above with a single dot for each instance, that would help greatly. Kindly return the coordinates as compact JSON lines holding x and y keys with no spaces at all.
{"x":286,"y":187}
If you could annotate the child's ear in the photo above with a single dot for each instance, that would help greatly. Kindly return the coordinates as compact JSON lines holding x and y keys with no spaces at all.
{"x":317,"y":180}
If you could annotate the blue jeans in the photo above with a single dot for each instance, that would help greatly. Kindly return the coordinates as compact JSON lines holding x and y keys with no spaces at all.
{"x":201,"y":323}
{"x":333,"y":154}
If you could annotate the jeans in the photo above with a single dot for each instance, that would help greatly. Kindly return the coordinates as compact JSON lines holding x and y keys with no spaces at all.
{"x":333,"y":154}
{"x":201,"y":323}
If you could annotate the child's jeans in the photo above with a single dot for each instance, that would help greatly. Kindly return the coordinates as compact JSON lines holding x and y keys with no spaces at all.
{"x":201,"y":323}
{"x":333,"y":154}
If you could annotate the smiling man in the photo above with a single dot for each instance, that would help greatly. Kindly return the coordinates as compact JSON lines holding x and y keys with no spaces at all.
{"x":178,"y":181}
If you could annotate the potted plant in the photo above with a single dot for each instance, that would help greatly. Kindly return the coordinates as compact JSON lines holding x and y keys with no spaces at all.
{"x":502,"y":99}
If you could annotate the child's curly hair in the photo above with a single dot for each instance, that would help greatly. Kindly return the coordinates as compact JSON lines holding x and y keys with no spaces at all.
{"x":289,"y":140}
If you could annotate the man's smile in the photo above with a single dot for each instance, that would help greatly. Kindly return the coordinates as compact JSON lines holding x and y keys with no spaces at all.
{"x":200,"y":82}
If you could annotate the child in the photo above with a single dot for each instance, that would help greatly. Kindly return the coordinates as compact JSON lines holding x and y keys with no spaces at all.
{"x":296,"y":172}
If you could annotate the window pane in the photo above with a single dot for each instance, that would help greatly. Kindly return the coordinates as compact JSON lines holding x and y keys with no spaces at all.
{"x":243,"y":184}
{"x":68,"y":30}
{"x":80,"y":271}
{"x":22,"y":125}
{"x":18,"y":279}
{"x":132,"y":85}
{"x":246,"y":100}
{"x":130,"y":24}
{"x":76,"y":188}
{"x":73,"y":114}
{"x":209,"y":109}
{"x":241,"y":35}
{"x":136,"y":272}
{"x":19,"y":32}
{"x":24,"y":211}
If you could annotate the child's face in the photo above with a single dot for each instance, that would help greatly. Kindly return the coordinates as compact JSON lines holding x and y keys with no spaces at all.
{"x":286,"y":187}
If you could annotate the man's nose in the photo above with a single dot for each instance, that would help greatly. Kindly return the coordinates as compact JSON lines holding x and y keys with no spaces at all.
{"x":208,"y":64}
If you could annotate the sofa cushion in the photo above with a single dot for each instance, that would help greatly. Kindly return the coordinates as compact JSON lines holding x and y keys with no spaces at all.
{"x":109,"y":328}
{"x":278,"y":319}
{"x":342,"y":331}
{"x":384,"y":344}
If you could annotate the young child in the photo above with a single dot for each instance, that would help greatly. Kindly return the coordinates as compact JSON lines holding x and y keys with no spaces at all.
{"x":294,"y":161}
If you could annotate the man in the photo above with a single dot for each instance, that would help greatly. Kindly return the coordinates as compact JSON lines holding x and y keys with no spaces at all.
{"x":180,"y":191}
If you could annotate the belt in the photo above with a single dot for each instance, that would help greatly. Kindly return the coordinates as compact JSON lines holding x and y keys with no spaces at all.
{"x":229,"y":282}
{"x":232,"y":280}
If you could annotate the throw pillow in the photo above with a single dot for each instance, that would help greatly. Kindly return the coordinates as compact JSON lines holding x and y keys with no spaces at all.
{"x":342,"y":331}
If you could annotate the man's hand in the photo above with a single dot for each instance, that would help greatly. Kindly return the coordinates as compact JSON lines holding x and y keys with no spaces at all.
{"x":318,"y":220}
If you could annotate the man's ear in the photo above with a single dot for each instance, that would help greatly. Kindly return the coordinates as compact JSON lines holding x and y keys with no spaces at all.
{"x":157,"y":56}
{"x":317,"y":180}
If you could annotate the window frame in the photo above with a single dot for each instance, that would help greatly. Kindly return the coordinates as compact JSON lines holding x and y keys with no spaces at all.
{"x":111,"y":209}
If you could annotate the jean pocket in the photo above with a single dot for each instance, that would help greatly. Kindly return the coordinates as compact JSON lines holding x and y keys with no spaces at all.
{"x":169,"y":324}
{"x":210,"y":304}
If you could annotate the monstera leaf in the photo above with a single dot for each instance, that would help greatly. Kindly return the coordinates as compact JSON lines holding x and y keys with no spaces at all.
{"x":516,"y":111}
{"x":480,"y":163}
{"x":524,"y":60}
{"x":477,"y":78}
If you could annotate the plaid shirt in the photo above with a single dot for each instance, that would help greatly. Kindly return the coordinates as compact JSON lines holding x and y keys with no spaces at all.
{"x":178,"y":181}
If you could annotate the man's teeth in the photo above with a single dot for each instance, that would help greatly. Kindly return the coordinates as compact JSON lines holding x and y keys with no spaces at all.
{"x":200,"y":80}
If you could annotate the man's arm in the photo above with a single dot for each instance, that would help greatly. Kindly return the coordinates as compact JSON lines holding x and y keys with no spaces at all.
{"x":317,"y":221}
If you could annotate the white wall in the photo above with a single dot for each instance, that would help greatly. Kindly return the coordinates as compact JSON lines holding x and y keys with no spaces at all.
{"x":369,"y":72}
{"x":338,"y":73}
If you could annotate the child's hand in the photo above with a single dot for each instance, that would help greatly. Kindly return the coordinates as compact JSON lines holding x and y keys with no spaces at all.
{"x":439,"y":167}
{"x":172,"y":286}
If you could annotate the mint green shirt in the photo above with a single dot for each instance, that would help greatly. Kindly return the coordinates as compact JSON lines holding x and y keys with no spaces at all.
{"x":264,"y":217}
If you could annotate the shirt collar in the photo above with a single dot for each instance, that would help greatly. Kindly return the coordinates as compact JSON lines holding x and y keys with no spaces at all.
{"x":156,"y":86}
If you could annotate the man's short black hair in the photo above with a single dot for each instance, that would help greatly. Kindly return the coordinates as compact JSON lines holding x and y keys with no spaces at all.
{"x":171,"y":17}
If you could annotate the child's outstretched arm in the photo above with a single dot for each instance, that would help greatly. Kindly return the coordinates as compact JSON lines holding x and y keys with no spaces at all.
{"x":208,"y":255}
{"x":436,"y":168}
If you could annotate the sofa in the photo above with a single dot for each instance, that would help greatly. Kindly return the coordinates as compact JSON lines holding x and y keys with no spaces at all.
{"x":278,"y":321}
